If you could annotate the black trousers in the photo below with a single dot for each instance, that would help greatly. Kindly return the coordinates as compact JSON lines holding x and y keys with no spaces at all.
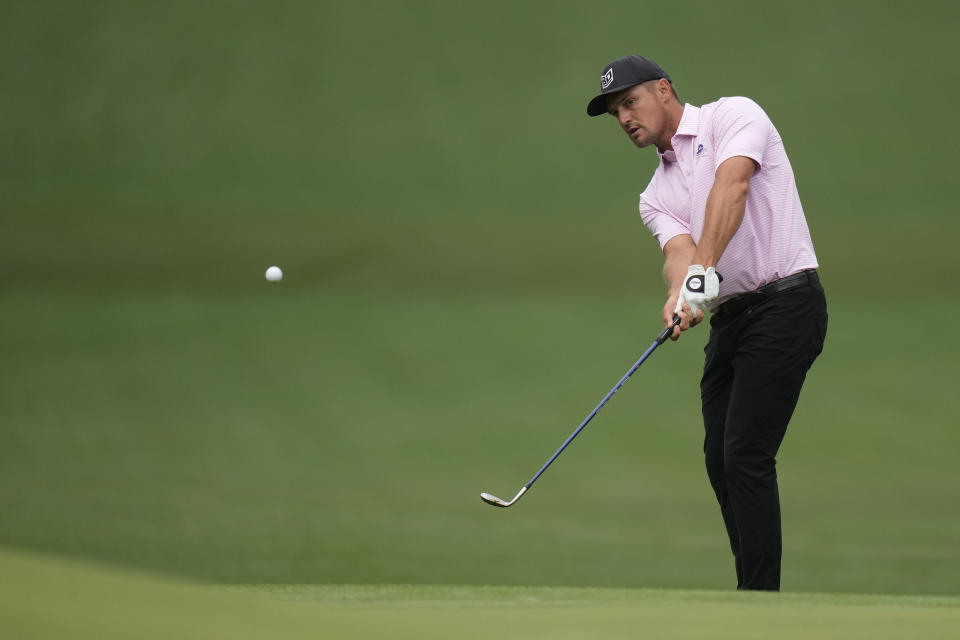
{"x":756,"y":362}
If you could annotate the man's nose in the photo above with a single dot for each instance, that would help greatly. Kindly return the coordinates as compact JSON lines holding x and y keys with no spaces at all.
{"x":623,"y":117}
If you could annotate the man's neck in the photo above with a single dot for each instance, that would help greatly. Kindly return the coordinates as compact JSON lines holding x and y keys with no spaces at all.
{"x":674,"y":115}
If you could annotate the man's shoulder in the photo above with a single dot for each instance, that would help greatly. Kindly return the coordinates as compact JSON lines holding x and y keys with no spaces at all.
{"x":731,"y":105}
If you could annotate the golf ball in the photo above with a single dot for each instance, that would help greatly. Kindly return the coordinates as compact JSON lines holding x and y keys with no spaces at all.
{"x":274,"y":274}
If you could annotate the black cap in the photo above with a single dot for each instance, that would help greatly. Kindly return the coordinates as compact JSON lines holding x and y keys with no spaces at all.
{"x":621,"y":74}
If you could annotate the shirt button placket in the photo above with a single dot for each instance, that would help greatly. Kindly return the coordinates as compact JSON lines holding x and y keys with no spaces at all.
{"x":685,"y":167}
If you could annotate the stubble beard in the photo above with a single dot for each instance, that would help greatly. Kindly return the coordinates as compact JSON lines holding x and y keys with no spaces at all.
{"x":645,"y":139}
{"x":650,"y":136}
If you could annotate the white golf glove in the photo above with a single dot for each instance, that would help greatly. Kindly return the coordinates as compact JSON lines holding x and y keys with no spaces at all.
{"x":700,"y":288}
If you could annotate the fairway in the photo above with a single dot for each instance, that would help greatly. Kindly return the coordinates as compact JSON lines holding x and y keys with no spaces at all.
{"x":189,"y":447}
{"x":53,"y":598}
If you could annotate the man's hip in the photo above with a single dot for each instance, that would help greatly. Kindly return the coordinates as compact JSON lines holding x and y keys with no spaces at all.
{"x":738,"y":304}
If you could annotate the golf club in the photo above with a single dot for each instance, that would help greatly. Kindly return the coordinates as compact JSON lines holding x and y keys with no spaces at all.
{"x":498,"y":502}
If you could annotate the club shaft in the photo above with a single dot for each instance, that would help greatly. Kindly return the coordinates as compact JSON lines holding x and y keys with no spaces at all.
{"x":660,"y":340}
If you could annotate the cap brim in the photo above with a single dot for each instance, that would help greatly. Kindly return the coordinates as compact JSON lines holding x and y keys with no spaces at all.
{"x":598,"y":106}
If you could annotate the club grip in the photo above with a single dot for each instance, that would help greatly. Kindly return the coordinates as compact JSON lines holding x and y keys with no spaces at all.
{"x":668,"y":331}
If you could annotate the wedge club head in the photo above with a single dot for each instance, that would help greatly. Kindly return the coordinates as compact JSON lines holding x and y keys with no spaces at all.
{"x":497,"y":502}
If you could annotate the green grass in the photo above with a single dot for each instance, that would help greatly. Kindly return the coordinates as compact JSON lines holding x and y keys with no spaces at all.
{"x":286,"y":435}
{"x":91,"y":601}
{"x":466,"y":276}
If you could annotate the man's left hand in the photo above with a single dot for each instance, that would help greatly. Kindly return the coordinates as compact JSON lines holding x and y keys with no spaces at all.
{"x":699,"y":289}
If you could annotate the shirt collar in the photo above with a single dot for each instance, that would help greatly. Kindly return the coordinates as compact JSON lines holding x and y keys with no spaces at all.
{"x":688,"y":126}
{"x":689,"y":121}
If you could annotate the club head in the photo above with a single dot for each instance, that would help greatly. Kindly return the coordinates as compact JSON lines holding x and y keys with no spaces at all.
{"x":494,"y":500}
{"x":497,"y":502}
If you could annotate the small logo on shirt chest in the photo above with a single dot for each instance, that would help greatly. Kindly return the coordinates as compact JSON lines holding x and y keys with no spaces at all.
{"x":699,"y":149}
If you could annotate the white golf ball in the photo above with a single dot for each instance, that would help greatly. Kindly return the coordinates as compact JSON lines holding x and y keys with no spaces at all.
{"x":274,"y":274}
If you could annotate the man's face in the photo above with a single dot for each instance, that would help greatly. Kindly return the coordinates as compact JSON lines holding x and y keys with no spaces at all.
{"x":640,"y":114}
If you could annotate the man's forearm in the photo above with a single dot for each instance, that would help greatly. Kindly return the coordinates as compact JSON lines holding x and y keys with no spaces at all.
{"x":676,"y":262}
{"x":725,"y":208}
{"x":724,"y":214}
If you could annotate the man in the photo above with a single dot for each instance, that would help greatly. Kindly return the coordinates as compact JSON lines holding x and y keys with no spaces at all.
{"x":724,"y":201}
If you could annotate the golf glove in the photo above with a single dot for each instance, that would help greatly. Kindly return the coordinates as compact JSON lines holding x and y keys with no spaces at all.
{"x":700,"y":288}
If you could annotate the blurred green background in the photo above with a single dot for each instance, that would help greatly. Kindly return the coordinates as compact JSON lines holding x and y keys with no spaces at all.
{"x":465,"y":277}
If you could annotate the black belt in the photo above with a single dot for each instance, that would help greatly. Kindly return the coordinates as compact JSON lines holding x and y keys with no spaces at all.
{"x":744,"y":301}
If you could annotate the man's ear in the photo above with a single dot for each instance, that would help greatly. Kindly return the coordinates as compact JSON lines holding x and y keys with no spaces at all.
{"x":664,"y":92}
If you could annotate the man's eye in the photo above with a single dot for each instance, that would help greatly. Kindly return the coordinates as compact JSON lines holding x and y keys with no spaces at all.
{"x":629,"y":103}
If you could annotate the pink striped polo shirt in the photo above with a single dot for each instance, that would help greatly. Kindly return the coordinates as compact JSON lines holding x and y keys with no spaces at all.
{"x":773,"y":240}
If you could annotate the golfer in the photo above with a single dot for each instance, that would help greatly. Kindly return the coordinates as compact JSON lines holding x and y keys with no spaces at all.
{"x":723,"y":204}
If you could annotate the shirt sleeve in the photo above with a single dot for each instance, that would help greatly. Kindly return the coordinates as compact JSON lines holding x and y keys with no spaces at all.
{"x":661,"y":224}
{"x":741,"y":128}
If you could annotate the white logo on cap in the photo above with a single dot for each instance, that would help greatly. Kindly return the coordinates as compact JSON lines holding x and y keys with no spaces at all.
{"x":606,"y":79}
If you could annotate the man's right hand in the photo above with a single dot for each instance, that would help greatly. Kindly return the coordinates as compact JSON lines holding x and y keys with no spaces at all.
{"x":687,"y":318}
